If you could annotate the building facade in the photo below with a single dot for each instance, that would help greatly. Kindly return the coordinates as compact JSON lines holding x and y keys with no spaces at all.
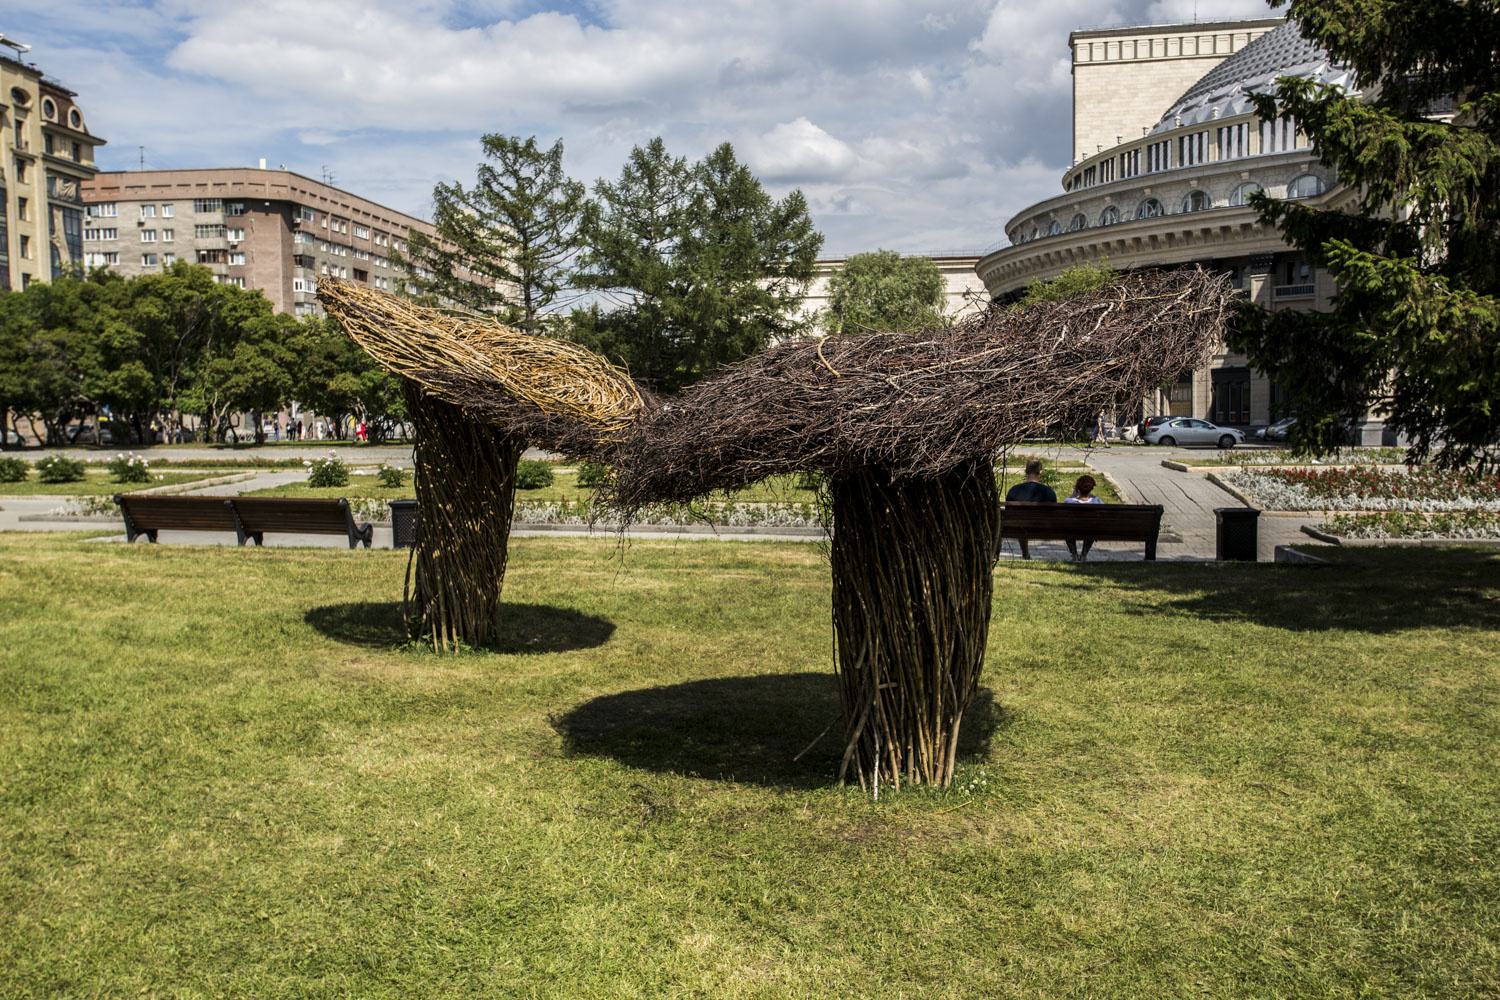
{"x":1172,"y":190}
{"x":271,"y":230}
{"x":48,"y":158}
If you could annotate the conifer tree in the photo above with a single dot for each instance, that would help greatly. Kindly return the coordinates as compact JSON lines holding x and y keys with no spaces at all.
{"x":1415,"y":326}
{"x":516,"y":231}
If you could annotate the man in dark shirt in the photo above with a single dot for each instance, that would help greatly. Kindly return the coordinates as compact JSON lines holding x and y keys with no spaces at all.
{"x":1033,"y":490}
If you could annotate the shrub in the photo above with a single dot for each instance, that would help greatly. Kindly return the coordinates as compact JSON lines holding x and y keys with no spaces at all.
{"x":811,"y":480}
{"x":533,"y":475}
{"x":59,"y":469}
{"x":13,"y":470}
{"x":330,"y":471}
{"x":592,"y":473}
{"x":130,"y":468}
{"x":391,"y":477}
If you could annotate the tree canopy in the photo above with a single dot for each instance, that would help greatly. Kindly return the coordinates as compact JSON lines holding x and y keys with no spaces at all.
{"x":509,"y":243}
{"x":696,"y":266}
{"x":883,"y":292}
{"x":1415,"y":327}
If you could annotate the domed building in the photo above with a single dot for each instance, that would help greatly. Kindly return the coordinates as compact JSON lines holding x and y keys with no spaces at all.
{"x":1158,"y":182}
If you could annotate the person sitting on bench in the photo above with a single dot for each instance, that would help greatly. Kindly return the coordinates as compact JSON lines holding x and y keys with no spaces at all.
{"x":1033,"y":490}
{"x":1083,"y":492}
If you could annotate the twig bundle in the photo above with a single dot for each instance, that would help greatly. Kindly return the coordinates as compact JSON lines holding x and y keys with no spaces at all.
{"x":553,"y":393}
{"x":920,"y":404}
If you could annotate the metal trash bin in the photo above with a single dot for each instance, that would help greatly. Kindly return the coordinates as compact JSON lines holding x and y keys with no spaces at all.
{"x":404,"y":520}
{"x":1238,"y":536}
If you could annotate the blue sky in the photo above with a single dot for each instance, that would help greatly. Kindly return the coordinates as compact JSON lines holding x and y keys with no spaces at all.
{"x":914,"y":125}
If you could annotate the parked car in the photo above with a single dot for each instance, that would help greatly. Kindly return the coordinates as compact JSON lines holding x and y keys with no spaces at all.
{"x":13,"y":440}
{"x":1150,"y":422}
{"x":1277,"y":431}
{"x":1191,"y":430}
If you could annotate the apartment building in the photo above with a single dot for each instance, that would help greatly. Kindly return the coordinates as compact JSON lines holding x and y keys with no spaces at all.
{"x":272,"y":230}
{"x":48,"y":156}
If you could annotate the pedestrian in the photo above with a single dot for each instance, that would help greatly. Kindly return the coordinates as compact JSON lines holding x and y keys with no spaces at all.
{"x":1099,"y":430}
{"x":301,"y":434}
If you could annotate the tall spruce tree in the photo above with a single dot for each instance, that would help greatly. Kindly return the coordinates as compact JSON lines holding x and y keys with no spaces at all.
{"x":516,"y":231}
{"x":1415,"y":327}
{"x":698,"y":265}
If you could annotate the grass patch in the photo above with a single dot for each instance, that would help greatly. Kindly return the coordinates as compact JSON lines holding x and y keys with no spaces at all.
{"x":1207,"y":780}
{"x":95,"y":482}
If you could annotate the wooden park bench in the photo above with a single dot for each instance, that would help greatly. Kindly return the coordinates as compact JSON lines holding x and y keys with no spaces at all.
{"x":1084,"y":522}
{"x":250,"y":518}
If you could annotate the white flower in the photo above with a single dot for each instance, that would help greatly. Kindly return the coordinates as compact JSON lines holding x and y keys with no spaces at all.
{"x":306,"y":463}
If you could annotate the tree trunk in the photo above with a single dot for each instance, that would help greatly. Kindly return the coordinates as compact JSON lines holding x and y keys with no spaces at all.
{"x":466,"y":489}
{"x":911,"y":616}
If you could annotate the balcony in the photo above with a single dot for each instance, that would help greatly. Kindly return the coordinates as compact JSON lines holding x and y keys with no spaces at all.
{"x":1303,"y":291}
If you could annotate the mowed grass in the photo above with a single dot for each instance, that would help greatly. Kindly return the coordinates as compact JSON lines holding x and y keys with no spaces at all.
{"x":221,"y":775}
{"x":96,"y":482}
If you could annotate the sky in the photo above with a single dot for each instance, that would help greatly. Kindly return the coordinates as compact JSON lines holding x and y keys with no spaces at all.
{"x":918,"y":126}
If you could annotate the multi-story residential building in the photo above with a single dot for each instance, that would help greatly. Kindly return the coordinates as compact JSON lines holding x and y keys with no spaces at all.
{"x":271,"y":230}
{"x":48,"y":157}
{"x":1151,"y":187}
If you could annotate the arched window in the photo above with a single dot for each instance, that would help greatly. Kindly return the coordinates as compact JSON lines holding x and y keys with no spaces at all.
{"x":1109,"y":216}
{"x":1149,"y":209}
{"x":1079,"y":222}
{"x":1055,"y":228}
{"x":1306,"y":186}
{"x":1035,"y":232}
{"x":1241,"y":195}
{"x":1197,"y":201}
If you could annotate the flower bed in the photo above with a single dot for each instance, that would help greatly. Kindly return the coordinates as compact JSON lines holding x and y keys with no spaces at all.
{"x":1425,"y":490}
{"x":1405,"y":524}
{"x":1344,"y":456}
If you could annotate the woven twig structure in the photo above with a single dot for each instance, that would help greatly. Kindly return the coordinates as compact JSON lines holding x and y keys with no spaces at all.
{"x":478,"y":394}
{"x":907,"y":427}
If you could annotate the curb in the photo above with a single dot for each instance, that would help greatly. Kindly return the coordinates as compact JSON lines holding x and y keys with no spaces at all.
{"x":1288,"y":554}
{"x":1399,"y":543}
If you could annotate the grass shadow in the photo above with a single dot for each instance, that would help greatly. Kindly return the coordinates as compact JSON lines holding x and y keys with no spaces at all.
{"x":1371,"y":590}
{"x":748,"y":729}
{"x":521,"y":628}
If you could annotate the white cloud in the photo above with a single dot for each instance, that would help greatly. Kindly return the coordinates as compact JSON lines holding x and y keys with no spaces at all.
{"x":798,"y":149}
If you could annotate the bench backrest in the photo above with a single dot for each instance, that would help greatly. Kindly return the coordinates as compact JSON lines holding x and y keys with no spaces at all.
{"x":293,"y":514}
{"x":153,"y":513}
{"x":1097,"y":522}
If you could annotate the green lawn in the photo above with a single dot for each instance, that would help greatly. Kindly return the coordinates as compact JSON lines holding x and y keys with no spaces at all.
{"x":96,"y":481}
{"x":222,"y":776}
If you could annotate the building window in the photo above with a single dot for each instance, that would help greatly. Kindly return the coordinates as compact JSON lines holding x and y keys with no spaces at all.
{"x":306,"y":214}
{"x":1079,"y":222}
{"x":167,"y":211}
{"x":234,"y":235}
{"x":25,"y":247}
{"x":237,"y":258}
{"x":1109,"y":216}
{"x":20,"y":171}
{"x":208,"y":205}
{"x":1280,"y":136}
{"x":234,"y":208}
{"x":308,"y":285}
{"x":101,"y":259}
{"x":104,"y":210}
{"x":1149,"y":209}
{"x":1192,"y":149}
{"x":168,"y":259}
{"x":1055,"y":228}
{"x":236,"y":281}
{"x":1159,"y":156}
{"x":211,"y":256}
{"x":361,"y":232}
{"x":101,"y":234}
{"x":209,"y":232}
{"x":1130,"y":163}
{"x":302,"y":239}
{"x":168,"y":235}
{"x":47,"y":143}
{"x":75,"y":120}
{"x":148,"y":211}
{"x":49,"y":109}
{"x":148,"y":260}
{"x":77,"y":153}
{"x":1306,"y":186}
{"x":23,"y":209}
{"x":1234,"y":141}
{"x":148,"y":236}
{"x":1197,"y":201}
{"x":1241,"y":195}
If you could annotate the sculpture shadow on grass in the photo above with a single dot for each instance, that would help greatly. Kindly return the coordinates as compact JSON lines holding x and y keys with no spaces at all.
{"x":748,"y":729}
{"x":520,"y":629}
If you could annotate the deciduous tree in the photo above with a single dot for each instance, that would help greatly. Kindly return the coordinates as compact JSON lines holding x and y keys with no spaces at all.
{"x":883,"y":292}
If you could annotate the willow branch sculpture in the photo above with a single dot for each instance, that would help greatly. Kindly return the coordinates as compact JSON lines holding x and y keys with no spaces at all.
{"x":478,"y":394}
{"x":907,"y":428}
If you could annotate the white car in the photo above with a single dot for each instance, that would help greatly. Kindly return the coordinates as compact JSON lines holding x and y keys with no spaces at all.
{"x":1191,"y":430}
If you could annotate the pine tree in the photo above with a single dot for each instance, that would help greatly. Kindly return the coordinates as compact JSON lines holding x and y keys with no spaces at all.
{"x":509,"y":243}
{"x":699,"y":266}
{"x":1415,"y":328}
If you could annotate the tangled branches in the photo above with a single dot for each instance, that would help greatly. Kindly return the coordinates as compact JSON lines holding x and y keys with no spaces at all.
{"x":920,"y":404}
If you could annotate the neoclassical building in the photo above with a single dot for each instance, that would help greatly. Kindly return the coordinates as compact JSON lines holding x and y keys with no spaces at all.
{"x":1160,"y":177}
